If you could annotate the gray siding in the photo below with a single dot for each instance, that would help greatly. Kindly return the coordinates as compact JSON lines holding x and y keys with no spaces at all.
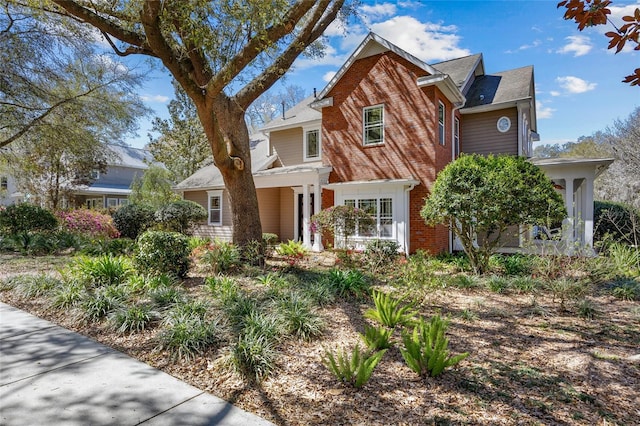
{"x":479,"y":134}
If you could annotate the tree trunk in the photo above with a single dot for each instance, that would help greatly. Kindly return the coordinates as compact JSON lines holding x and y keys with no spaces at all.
{"x":227,"y":133}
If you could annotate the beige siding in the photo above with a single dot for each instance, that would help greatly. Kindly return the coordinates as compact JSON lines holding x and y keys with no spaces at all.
{"x":269,"y":202}
{"x":286,"y":214}
{"x":288,"y":145}
{"x":480,"y":135}
{"x":223,"y":232}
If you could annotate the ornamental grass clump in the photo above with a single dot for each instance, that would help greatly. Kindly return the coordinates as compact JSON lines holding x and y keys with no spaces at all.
{"x":348,"y":283}
{"x":388,"y":311}
{"x":426,"y":350}
{"x":132,"y":319}
{"x":186,"y":335}
{"x":353,"y":369}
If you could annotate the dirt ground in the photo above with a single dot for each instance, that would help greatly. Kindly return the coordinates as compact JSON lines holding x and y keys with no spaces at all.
{"x":530,"y":363}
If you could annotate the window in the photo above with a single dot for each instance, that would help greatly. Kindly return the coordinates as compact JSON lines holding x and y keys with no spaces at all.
{"x":312,"y":145}
{"x":94,"y":174}
{"x":373,"y":125}
{"x":381,"y":209}
{"x":4,"y":183}
{"x":441,"y":113}
{"x":456,"y":136}
{"x":215,"y":208}
{"x":115,"y":202}
{"x":95,"y":203}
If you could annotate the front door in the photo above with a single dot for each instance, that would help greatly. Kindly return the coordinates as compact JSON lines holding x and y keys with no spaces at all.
{"x":301,"y":215}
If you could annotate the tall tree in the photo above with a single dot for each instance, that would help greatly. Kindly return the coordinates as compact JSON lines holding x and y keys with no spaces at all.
{"x":182,"y":145}
{"x":588,"y":13}
{"x":224,"y":54}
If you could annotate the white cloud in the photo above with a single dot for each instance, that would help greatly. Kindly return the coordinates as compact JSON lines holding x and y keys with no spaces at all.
{"x":377,"y":11}
{"x":543,"y":111}
{"x":573,"y":84}
{"x":579,"y":45}
{"x":107,"y":62}
{"x":155,"y":98}
{"x":328,"y":76}
{"x":554,"y":93}
{"x":427,"y":41}
{"x":535,"y":43}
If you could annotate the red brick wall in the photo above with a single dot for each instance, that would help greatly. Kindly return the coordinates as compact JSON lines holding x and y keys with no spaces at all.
{"x":411,"y":148}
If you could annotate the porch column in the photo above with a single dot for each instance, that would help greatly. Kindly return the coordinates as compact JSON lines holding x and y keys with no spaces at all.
{"x":568,"y":223}
{"x":588,"y":212}
{"x":317,"y":205}
{"x":306,"y":232}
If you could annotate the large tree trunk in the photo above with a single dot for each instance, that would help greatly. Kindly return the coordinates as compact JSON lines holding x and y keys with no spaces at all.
{"x":226,"y":130}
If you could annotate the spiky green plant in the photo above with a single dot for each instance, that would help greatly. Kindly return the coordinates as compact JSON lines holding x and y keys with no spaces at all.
{"x":377,"y":338}
{"x":131,"y":319}
{"x":103,"y":270}
{"x":99,"y":304}
{"x":263,"y":324}
{"x":348,"y":283}
{"x":426,"y":350}
{"x":187,"y":335}
{"x":187,"y":307}
{"x":300,"y":319}
{"x":355,"y":369}
{"x":627,"y":290}
{"x":388,"y":311}
{"x":166,"y":296}
{"x":254,"y":356}
{"x":35,"y":285}
{"x":68,"y":294}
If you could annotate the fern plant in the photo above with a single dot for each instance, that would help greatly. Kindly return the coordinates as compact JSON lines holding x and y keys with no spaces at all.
{"x":354,"y":370}
{"x":377,"y":338}
{"x":425,"y":349}
{"x":388,"y":311}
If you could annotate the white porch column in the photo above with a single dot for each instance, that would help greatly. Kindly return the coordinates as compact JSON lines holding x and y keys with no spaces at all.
{"x":306,"y":231}
{"x":588,"y":212}
{"x":317,"y":205}
{"x":568,"y":223}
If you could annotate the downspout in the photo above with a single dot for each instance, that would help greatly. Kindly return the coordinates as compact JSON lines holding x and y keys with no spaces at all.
{"x":453,"y":153}
{"x":407,"y":206}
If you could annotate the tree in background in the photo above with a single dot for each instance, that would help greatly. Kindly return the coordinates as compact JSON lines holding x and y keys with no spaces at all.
{"x":478,"y":196}
{"x":52,"y":82}
{"x":270,"y":105}
{"x":182,"y":145}
{"x":153,"y":188}
{"x":621,"y":182}
{"x":224,"y":54}
{"x":588,"y":13}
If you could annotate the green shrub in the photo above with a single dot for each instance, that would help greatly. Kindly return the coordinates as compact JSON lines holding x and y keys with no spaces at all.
{"x":103,"y":270}
{"x":354,"y":370}
{"x":616,"y":221}
{"x":254,"y":356}
{"x":87,"y":222}
{"x":426,"y":350}
{"x":68,"y":294}
{"x":180,"y":216}
{"x":587,"y":309}
{"x":498,"y":284}
{"x":348,"y":283}
{"x":293,"y":251}
{"x":512,"y":264}
{"x":464,"y":281}
{"x":525,"y":284}
{"x":564,"y":289}
{"x":24,"y":217}
{"x":186,"y":336}
{"x":262,"y":324}
{"x":380,"y":253}
{"x":101,"y":303}
{"x":133,"y":219}
{"x":269,"y":240}
{"x":377,"y":338}
{"x":166,"y":296}
{"x":624,"y":259}
{"x":29,"y":286}
{"x":220,"y":256}
{"x":159,"y":252}
{"x":132,"y":319}
{"x":388,"y":311}
{"x":626,"y":290}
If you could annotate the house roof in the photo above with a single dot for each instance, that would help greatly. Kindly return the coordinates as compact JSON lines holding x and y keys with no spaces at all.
{"x":300,"y":113}
{"x":127,"y":156}
{"x":210,"y":177}
{"x":566,"y":163}
{"x":501,"y":88}
{"x":461,"y":69}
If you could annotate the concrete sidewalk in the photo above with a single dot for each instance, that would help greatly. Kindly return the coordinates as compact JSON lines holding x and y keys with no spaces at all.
{"x":50,"y":375}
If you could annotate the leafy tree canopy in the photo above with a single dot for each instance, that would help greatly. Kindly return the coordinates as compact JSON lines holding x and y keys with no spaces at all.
{"x":483,"y":196}
{"x":153,"y":188}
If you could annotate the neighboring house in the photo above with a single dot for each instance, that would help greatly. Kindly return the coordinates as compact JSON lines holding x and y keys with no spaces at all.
{"x":375,"y":138}
{"x":8,"y":190}
{"x":112,"y":188}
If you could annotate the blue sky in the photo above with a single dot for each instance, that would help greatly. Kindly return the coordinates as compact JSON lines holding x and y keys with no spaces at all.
{"x":578,"y":81}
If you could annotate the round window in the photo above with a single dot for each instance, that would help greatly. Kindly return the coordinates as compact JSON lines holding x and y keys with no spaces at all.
{"x":504,"y":124}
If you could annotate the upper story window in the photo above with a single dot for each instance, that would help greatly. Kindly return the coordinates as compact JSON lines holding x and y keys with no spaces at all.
{"x":373,"y":125}
{"x":94,"y":174}
{"x":4,"y":183}
{"x":441,"y":115}
{"x":456,"y":136}
{"x":312,"y":147}
{"x":215,"y":208}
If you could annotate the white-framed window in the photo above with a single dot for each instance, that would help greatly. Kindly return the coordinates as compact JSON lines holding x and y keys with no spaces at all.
{"x":94,"y":203}
{"x":115,"y":202}
{"x":373,"y":125}
{"x":381,"y":209}
{"x":4,"y":183}
{"x":441,"y":114}
{"x":215,"y":207}
{"x":456,"y":136}
{"x":312,"y":145}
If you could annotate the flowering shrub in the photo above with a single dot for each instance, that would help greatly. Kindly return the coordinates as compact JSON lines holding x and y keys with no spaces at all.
{"x":342,"y":221}
{"x":88,"y":222}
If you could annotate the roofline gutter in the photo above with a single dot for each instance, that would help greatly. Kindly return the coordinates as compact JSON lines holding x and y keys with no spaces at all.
{"x":445,"y":84}
{"x":492,"y":107}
